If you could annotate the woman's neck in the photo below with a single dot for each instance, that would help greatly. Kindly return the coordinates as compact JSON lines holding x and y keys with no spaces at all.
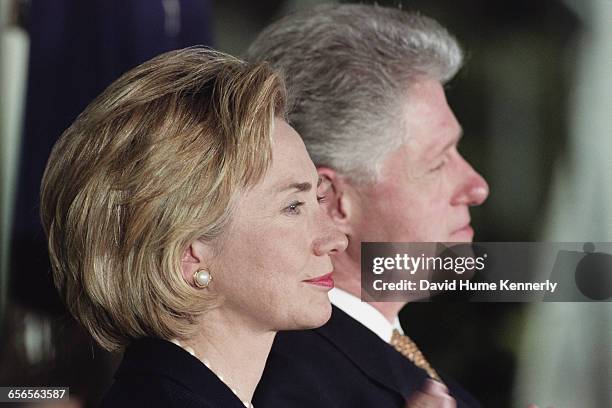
{"x":235,"y":352}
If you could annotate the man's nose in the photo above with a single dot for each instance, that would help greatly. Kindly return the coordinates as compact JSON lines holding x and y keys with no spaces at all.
{"x":473,"y":189}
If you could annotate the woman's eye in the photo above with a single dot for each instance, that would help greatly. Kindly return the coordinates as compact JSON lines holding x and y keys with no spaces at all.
{"x":322,"y":199}
{"x":294,"y":208}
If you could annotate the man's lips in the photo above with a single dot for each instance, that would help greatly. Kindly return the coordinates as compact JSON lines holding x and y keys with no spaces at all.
{"x":466,"y":229}
{"x":324,"y":280}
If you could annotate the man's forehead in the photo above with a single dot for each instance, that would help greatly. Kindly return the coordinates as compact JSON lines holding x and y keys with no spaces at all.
{"x":443,"y":141}
{"x":429,"y":146}
{"x":430,"y":122}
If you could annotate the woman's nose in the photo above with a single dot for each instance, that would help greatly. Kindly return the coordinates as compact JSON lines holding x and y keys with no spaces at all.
{"x":330,"y":240}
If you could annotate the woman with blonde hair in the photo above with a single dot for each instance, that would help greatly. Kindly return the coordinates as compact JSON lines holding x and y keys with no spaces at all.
{"x":184,"y":226}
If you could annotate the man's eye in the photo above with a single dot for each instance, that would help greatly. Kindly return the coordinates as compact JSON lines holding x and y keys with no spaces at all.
{"x":294,"y":208}
{"x":322,"y":199}
{"x":439,"y":166}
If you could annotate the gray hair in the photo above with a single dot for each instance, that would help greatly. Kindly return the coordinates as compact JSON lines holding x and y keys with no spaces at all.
{"x":348,"y":69}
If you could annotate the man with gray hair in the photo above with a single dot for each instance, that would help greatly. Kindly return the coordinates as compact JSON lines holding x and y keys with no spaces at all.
{"x":365,"y":86}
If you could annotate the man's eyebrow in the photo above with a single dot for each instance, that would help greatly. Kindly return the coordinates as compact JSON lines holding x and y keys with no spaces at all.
{"x":450,"y":143}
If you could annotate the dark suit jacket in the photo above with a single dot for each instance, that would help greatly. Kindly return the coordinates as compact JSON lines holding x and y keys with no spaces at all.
{"x":156,"y":373}
{"x":340,"y":365}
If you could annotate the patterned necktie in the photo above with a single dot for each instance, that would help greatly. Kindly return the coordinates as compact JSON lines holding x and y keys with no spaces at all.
{"x":405,"y":346}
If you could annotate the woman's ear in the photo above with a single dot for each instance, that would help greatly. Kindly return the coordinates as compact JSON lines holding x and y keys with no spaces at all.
{"x":340,"y":198}
{"x":195,"y":257}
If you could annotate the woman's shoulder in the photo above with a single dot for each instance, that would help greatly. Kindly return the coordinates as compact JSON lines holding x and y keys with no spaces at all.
{"x":151,"y":391}
{"x":157,"y":373}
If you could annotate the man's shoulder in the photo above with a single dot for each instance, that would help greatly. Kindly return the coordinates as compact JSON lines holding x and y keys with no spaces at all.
{"x":303,"y":351}
{"x":306,"y":369}
{"x":341,"y":364}
{"x":331,"y":366}
{"x":341,"y":337}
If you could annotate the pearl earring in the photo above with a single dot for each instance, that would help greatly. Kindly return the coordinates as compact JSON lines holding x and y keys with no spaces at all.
{"x":202,"y":278}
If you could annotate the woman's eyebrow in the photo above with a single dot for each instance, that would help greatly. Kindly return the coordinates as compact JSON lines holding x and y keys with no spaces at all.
{"x":300,"y":187}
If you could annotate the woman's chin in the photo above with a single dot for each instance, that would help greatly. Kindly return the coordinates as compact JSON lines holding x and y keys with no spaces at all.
{"x":316,"y":316}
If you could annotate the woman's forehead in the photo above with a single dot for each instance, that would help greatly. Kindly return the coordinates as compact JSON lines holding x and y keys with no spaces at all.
{"x":291,"y":166}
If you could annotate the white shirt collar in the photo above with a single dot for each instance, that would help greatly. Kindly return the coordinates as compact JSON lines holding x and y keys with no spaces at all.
{"x":364,"y":313}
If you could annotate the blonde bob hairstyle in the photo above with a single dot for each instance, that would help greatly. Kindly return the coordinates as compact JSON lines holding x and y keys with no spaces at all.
{"x":152,"y":164}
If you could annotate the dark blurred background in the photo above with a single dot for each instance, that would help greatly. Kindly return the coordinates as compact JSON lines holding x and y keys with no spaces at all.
{"x":534,"y":100}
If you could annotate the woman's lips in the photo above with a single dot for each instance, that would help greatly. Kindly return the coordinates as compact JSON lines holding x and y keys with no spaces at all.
{"x":325,"y":281}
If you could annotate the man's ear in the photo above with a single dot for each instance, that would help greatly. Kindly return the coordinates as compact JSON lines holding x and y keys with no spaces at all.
{"x":195,"y":257}
{"x":340,"y":198}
